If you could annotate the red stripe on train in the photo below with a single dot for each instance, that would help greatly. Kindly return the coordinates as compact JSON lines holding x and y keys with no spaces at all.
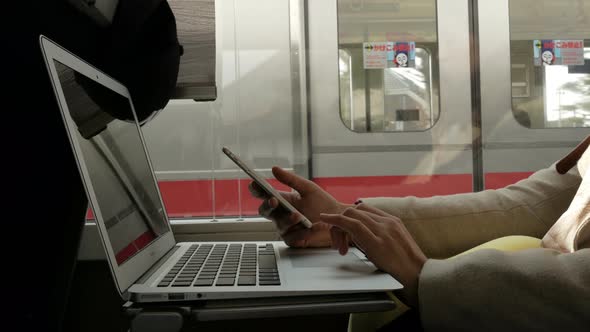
{"x":501,"y":180}
{"x":348,"y":190}
{"x":200,"y":198}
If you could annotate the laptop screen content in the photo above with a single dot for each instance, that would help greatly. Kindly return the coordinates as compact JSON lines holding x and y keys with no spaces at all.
{"x":113,"y":152}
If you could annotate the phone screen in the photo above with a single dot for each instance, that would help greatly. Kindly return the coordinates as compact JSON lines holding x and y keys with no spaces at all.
{"x":264,"y":185}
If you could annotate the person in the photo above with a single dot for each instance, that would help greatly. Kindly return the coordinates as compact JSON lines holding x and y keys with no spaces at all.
{"x":546,"y":287}
{"x":47,"y":203}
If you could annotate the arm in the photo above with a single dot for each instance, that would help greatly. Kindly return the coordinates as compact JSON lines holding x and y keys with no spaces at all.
{"x":531,"y":290}
{"x":447,"y":225}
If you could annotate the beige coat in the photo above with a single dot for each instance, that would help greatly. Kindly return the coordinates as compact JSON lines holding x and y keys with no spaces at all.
{"x":571,"y":232}
{"x":488,"y":290}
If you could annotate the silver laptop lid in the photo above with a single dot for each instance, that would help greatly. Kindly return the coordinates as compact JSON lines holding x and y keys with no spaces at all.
{"x":114,"y":164}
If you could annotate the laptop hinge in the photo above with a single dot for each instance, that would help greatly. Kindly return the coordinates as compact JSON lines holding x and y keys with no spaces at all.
{"x":157,"y":265}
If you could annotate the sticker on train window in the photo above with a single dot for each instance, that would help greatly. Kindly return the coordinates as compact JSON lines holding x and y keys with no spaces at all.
{"x":548,"y":52}
{"x":381,"y":55}
{"x":375,"y":55}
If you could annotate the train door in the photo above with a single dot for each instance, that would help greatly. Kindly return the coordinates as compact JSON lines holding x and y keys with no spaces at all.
{"x":385,"y":124}
{"x":535,"y":75}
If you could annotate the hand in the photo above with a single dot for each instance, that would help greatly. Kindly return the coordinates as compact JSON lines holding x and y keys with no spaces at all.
{"x":385,"y":241}
{"x":309,"y":199}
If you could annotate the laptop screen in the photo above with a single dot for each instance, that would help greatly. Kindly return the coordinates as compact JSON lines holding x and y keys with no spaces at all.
{"x":112,"y":149}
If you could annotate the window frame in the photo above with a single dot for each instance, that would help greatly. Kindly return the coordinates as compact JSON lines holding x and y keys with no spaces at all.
{"x":434,"y":67}
{"x":530,"y":71}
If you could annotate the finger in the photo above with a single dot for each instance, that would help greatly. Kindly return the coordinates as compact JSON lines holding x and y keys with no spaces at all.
{"x":271,"y":209}
{"x":277,"y":213}
{"x":334,"y":238}
{"x":341,"y":240}
{"x":296,"y":223}
{"x":374,"y":210}
{"x":347,"y":240}
{"x":257,"y":191}
{"x":343,"y":249}
{"x":369,"y":219}
{"x":338,"y":240}
{"x":265,"y":209}
{"x":289,"y":222}
{"x":297,"y":238}
{"x":358,"y":231}
{"x":302,"y":185}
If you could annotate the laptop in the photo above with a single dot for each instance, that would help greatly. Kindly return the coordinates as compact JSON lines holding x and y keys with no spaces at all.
{"x":146,"y":262}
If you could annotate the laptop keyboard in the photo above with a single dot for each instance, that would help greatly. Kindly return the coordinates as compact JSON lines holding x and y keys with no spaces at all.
{"x":233,"y":264}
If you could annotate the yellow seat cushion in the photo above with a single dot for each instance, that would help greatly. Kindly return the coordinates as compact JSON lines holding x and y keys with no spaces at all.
{"x":372,"y":321}
{"x":508,"y":243}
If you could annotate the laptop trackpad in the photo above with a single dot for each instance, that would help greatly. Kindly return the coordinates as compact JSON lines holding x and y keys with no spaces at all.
{"x":326,"y":258}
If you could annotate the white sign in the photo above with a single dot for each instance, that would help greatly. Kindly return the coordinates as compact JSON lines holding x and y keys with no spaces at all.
{"x":375,"y":55}
{"x":381,"y":55}
{"x":548,"y":52}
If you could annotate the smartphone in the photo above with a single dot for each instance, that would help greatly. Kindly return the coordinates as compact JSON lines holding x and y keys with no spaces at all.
{"x":262,"y":183}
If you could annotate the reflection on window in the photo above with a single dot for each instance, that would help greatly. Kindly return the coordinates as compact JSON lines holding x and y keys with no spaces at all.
{"x":346,"y":92}
{"x":554,"y":96}
{"x":567,"y":102}
{"x":388,"y":99}
{"x":407,"y":94}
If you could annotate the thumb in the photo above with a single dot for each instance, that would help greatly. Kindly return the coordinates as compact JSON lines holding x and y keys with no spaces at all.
{"x":302,"y":185}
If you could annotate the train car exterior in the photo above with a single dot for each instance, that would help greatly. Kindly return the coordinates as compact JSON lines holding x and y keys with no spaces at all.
{"x":474,"y":113}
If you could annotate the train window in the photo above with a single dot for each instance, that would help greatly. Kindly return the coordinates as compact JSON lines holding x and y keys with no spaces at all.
{"x":555,"y":92}
{"x":378,"y":93}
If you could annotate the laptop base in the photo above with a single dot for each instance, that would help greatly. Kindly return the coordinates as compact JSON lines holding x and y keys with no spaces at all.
{"x":172,"y":315}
